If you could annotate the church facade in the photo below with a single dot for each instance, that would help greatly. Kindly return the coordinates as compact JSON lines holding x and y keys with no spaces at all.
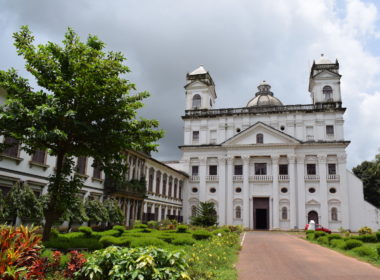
{"x":269,"y":165}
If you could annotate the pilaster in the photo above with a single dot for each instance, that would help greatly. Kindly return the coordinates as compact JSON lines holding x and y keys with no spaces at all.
{"x":202,"y":178}
{"x":275,"y":194}
{"x":301,"y":191}
{"x":323,"y":189}
{"x":246,"y":194}
{"x":229,"y":191}
{"x":293,"y":190}
{"x":222,"y":190}
{"x":343,"y":188}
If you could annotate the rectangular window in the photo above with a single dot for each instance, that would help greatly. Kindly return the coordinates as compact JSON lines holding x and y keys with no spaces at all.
{"x":39,"y":156}
{"x":332,"y":168}
{"x":213,"y":170}
{"x":311,"y":169}
{"x":13,"y":148}
{"x":260,"y":169}
{"x":329,"y":129}
{"x":195,"y":135}
{"x":81,"y":165}
{"x":283,"y":169}
{"x":97,"y":174}
{"x":195,"y":170}
{"x":238,"y":170}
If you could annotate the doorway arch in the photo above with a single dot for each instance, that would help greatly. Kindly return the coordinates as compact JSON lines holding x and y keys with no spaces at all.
{"x":313,"y":215}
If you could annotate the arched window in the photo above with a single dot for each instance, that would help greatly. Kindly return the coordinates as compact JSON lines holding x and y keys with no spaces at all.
{"x":193,"y":210}
{"x":238,"y":212}
{"x":328,"y":93}
{"x":334,"y":214}
{"x":197,"y":100}
{"x":259,"y":138}
{"x":284,"y":213}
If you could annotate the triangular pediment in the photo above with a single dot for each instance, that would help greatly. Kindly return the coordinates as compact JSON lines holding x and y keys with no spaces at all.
{"x":312,"y":202}
{"x":327,"y":74}
{"x":270,"y":136}
{"x":196,"y":85}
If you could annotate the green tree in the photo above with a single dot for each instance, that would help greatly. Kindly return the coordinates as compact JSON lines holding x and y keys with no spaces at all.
{"x":76,"y":212}
{"x":22,"y":202}
{"x":84,"y":107}
{"x":96,"y":212}
{"x":367,"y":172}
{"x":115,"y":214}
{"x":205,"y":215}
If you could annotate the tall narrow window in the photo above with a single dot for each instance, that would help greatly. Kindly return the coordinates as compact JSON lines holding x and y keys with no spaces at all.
{"x":39,"y":156}
{"x":195,"y":135}
{"x":329,"y":129}
{"x":164,"y":185}
{"x":328,"y":93}
{"x":311,"y":169}
{"x":195,"y":170}
{"x":238,"y":212}
{"x":332,"y":168}
{"x":193,"y":210}
{"x":284,"y":213}
{"x":158,"y":180}
{"x":334,"y":214}
{"x":197,"y":101}
{"x":238,"y":170}
{"x":81,"y":165}
{"x":13,"y":148}
{"x":259,"y":138}
{"x":283,"y":169}
{"x":97,"y":173}
{"x":213,"y":170}
{"x":260,"y":169}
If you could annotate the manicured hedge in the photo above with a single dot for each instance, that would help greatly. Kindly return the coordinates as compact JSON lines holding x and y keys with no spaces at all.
{"x":334,"y":236}
{"x":183,"y":241}
{"x":73,"y":243}
{"x":147,"y":241}
{"x":319,"y":234}
{"x":201,"y":234}
{"x":323,"y":240}
{"x":364,"y":251}
{"x":338,"y":243}
{"x":182,"y":228}
{"x":86,"y":230}
{"x":117,"y":241}
{"x":352,"y":243}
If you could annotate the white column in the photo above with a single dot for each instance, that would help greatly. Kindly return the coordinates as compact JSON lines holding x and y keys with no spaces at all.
{"x":229,"y":191}
{"x":222,"y":190}
{"x":323,"y":190}
{"x":301,"y":191}
{"x":246,"y":192}
{"x":276,"y":207}
{"x":161,"y":184}
{"x":344,"y":215}
{"x":202,"y":179}
{"x":293,"y":190}
{"x":159,"y":218}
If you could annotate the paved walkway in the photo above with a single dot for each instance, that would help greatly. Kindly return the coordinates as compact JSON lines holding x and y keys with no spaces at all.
{"x":281,"y":256}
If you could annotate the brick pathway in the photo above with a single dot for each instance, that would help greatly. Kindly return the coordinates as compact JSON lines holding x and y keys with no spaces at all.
{"x":281,"y":256}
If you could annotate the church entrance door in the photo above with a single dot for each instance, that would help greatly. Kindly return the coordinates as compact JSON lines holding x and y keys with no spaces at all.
{"x":261,"y":212}
{"x":313,"y":215}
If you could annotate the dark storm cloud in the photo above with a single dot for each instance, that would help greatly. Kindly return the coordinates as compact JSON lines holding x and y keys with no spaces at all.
{"x":241,"y":43}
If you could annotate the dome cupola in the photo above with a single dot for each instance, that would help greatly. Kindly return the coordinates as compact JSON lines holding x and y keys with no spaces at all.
{"x":264,"y":97}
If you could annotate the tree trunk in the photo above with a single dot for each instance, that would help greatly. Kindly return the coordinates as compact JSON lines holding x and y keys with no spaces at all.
{"x":51,"y":214}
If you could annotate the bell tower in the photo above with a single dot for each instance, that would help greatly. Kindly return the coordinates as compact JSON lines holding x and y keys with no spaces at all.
{"x":200,"y":90}
{"x":324,"y":81}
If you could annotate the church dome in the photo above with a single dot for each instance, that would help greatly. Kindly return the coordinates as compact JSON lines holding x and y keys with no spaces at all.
{"x":264,"y":97}
{"x":323,"y":60}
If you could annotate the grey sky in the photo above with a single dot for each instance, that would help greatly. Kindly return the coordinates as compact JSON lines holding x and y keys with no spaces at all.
{"x":240,"y":42}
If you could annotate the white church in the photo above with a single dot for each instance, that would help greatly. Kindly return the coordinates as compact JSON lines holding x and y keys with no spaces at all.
{"x":269,"y":165}
{"x":265,"y":166}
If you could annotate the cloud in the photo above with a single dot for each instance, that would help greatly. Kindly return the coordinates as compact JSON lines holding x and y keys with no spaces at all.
{"x":240,"y":42}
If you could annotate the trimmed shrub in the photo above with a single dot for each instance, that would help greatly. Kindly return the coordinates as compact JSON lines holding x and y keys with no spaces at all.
{"x":71,"y":235}
{"x":338,"y":243}
{"x":378,"y":250}
{"x":201,"y":234}
{"x":148,"y":241}
{"x":86,"y":230}
{"x":117,"y":241}
{"x":119,"y":228}
{"x":73,"y":243}
{"x":323,"y":240}
{"x":183,"y":241}
{"x":168,"y":238}
{"x":318,"y":234}
{"x":310,"y":236}
{"x":137,"y":225}
{"x":364,"y":251}
{"x":182,"y":228}
{"x":378,"y":236}
{"x":310,"y":231}
{"x":111,"y":232}
{"x":146,"y":230}
{"x":152,"y":224}
{"x":365,"y":230}
{"x":352,"y":243}
{"x":368,"y":238}
{"x":334,"y":236}
{"x":54,"y":233}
